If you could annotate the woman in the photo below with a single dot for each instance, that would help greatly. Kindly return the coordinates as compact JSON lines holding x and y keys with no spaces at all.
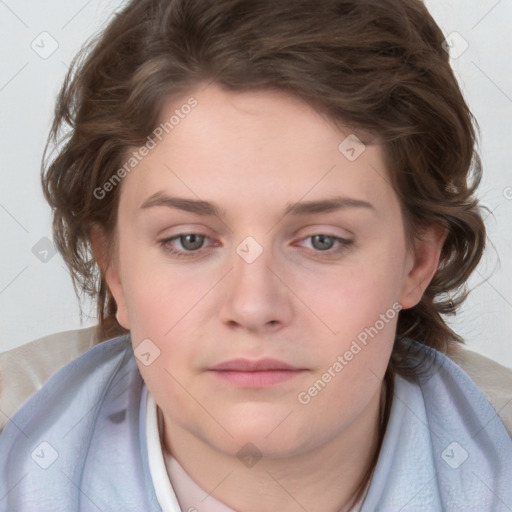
{"x":273,"y":204}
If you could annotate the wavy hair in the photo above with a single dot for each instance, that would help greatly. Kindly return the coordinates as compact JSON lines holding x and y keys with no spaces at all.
{"x":378,"y":66}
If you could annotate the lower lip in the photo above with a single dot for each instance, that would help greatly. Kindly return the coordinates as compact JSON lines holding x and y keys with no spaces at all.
{"x":257,"y":379}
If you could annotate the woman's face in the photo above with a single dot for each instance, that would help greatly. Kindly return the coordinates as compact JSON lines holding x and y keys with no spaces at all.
{"x":255,"y":230}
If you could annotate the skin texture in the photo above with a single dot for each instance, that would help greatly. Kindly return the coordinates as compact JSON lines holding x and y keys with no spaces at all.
{"x":252,"y":154}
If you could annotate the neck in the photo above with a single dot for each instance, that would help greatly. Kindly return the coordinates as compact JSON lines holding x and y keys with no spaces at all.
{"x":326,"y":478}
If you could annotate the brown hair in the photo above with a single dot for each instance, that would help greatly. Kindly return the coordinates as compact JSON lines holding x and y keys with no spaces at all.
{"x":376,"y":65}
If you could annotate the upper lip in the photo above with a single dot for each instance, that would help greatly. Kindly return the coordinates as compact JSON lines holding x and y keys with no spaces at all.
{"x":246,"y":365}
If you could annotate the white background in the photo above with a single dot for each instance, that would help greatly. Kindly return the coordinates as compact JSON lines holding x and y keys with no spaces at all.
{"x":37,"y":298}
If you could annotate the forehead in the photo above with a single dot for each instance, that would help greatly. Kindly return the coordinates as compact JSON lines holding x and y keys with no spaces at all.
{"x":257,"y":115}
{"x":255,"y":145}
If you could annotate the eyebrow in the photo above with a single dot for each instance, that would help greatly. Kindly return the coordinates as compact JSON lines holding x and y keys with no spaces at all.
{"x":205,"y":208}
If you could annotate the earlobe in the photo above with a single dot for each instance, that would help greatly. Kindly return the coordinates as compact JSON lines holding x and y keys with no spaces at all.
{"x":110,"y":273}
{"x":423,"y":266}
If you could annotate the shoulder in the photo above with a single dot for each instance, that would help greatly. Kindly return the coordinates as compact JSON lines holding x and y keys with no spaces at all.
{"x":493,"y":379}
{"x":80,"y":384}
{"x":25,"y":369}
{"x":84,"y":421}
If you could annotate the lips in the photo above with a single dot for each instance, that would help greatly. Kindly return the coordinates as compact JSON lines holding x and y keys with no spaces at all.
{"x":255,"y":374}
{"x":246,"y":365}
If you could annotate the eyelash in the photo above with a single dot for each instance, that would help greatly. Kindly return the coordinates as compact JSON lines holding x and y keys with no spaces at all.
{"x":344,"y":244}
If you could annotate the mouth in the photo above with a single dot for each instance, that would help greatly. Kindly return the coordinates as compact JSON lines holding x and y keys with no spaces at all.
{"x":255,"y":374}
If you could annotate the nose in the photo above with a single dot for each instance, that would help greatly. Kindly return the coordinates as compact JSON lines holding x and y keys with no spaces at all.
{"x":256,"y":296}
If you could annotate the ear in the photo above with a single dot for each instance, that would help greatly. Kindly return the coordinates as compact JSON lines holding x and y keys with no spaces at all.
{"x":109,"y":267}
{"x":422,"y":265}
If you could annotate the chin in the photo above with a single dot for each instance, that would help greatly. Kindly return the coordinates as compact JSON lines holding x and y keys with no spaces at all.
{"x":268,"y":438}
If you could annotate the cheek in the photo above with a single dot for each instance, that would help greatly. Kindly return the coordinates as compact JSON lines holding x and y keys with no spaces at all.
{"x":159,"y":294}
{"x":354,"y":295}
{"x":359,"y":307}
{"x":160,"y":304}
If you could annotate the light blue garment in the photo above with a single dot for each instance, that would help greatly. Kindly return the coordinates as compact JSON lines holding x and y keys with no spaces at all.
{"x":92,"y":414}
{"x":445,"y":448}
